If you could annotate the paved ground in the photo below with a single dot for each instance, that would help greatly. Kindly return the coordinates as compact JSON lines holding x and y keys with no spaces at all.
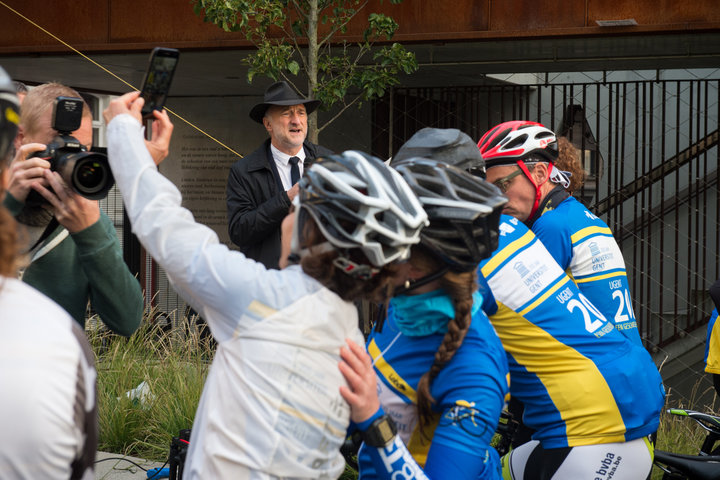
{"x":116,"y":468}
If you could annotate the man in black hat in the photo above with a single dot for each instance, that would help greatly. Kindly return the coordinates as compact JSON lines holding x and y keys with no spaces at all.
{"x":262,"y":185}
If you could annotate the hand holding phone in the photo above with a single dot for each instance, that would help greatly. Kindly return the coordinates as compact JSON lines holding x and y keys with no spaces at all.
{"x":158,"y":77}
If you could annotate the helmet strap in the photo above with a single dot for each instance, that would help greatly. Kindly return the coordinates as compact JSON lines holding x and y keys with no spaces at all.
{"x":355,"y":270}
{"x":411,"y":285}
{"x":538,"y":194}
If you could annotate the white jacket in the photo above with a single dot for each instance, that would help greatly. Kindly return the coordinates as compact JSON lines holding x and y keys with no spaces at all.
{"x":271,"y":405}
{"x":48,"y":416}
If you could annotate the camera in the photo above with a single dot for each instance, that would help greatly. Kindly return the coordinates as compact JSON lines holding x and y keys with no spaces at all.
{"x":87,"y":172}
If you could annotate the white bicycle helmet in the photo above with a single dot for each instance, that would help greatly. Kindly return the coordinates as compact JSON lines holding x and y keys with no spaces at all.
{"x":464,"y":211}
{"x":359,"y":202}
{"x":509,"y":142}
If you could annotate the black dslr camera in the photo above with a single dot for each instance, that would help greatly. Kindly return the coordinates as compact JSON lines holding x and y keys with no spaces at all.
{"x":87,"y":172}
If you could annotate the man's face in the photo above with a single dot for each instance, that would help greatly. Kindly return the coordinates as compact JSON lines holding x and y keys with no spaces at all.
{"x":39,"y":215}
{"x":287,"y":127}
{"x":44,"y":133}
{"x":518,"y":188}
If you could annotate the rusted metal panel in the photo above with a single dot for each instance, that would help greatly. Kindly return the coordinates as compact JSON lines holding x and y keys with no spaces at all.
{"x":77,"y":22}
{"x":428,"y":18}
{"x":519,"y":15}
{"x":131,"y":25}
{"x":655,"y":12}
{"x":162,"y":21}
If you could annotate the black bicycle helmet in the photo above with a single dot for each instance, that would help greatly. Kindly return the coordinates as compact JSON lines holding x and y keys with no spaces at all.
{"x":509,"y":142}
{"x":9,"y":114}
{"x":464,"y":211}
{"x":359,"y":202}
{"x":448,"y":145}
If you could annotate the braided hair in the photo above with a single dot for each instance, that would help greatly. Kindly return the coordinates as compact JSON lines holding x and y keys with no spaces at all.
{"x":460,"y":286}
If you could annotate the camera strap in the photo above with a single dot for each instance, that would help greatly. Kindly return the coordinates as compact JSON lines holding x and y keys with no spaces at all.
{"x":46,"y":233}
{"x":35,"y":252}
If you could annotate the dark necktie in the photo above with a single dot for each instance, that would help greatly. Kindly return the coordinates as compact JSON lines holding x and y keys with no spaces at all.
{"x":294,"y":170}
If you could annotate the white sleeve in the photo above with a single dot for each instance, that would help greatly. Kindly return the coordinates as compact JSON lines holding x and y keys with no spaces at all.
{"x":217,"y":282}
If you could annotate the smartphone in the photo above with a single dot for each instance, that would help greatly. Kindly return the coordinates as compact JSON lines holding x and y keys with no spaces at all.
{"x":158,"y":76}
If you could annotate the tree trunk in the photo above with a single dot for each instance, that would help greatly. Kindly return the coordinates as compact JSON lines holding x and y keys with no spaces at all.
{"x":312,"y":67}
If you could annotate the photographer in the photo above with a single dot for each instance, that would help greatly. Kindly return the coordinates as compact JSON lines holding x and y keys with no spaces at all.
{"x":72,"y":246}
{"x":47,"y":374}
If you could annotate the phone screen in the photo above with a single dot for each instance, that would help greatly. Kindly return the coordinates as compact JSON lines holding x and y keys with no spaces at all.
{"x":157,"y":79}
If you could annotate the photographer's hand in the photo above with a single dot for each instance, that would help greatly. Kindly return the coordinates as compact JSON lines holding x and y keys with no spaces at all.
{"x":72,"y":211}
{"x":159,"y":144}
{"x":25,"y":172}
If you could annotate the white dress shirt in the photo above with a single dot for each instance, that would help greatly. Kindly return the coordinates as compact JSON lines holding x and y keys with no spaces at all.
{"x":282,"y":162}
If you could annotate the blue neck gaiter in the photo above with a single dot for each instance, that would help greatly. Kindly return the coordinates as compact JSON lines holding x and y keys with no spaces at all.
{"x":426,"y":313}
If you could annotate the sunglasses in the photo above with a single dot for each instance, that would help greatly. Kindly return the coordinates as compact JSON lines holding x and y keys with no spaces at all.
{"x":504,"y":183}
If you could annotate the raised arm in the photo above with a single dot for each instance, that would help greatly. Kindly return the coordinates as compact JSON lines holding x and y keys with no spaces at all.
{"x":202,"y":270}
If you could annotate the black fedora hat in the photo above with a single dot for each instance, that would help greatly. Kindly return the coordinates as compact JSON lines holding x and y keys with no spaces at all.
{"x":280,"y":93}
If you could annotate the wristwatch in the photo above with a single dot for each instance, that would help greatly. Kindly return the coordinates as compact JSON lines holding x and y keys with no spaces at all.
{"x":380,"y":433}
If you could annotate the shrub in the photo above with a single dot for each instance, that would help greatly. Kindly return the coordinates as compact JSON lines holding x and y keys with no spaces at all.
{"x":173,"y":366}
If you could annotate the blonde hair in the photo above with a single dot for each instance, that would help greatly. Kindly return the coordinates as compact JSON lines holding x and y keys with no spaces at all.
{"x":39,"y":100}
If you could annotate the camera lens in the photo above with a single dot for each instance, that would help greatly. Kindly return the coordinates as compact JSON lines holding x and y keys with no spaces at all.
{"x":88,"y":173}
{"x":91,"y":175}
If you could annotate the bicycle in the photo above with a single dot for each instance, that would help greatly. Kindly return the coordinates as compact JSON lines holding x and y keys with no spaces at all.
{"x":703,"y":466}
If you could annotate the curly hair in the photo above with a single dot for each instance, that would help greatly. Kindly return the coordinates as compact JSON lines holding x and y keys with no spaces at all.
{"x":460,"y":286}
{"x":569,"y":161}
{"x":9,"y":242}
{"x":320,"y":266}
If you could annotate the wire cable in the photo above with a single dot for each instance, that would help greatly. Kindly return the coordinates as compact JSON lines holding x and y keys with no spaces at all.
{"x":61,"y":41}
{"x":134,"y":463}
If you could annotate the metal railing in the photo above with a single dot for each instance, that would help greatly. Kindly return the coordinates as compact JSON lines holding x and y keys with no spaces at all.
{"x":650,"y":148}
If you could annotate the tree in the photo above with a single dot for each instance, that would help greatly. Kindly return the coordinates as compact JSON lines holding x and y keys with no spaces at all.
{"x":297,"y":35}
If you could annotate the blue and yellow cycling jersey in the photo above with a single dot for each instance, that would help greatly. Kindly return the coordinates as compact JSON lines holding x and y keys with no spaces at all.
{"x":585,"y":248}
{"x":469,"y":393}
{"x":712,"y":345}
{"x":582,"y":382}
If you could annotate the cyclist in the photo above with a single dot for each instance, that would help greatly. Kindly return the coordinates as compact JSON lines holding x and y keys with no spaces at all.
{"x":712,"y":345}
{"x":441,"y":371}
{"x":589,"y":393}
{"x":271,"y":405}
{"x":519,"y":159}
{"x":47,"y":374}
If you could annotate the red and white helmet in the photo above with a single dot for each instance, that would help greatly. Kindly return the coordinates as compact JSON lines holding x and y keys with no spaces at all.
{"x":509,"y":142}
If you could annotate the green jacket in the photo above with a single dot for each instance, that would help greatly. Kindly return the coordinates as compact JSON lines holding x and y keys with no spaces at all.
{"x":87,"y":265}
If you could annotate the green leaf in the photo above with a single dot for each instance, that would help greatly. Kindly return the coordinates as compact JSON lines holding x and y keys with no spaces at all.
{"x":341,"y":67}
